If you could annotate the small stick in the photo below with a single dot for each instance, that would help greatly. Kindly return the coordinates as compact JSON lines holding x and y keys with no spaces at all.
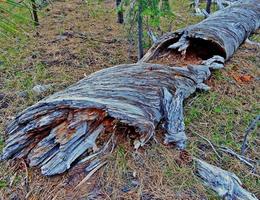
{"x":212,"y":146}
{"x":26,"y":179}
{"x":12,"y":179}
{"x":152,"y":35}
{"x":90,"y":174}
{"x":250,"y":129}
{"x":242,"y":158}
{"x":239,"y":157}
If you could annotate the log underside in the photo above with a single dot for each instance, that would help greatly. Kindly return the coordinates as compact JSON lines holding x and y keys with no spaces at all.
{"x":81,"y":123}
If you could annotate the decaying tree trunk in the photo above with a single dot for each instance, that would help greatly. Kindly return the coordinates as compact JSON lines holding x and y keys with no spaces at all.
{"x":81,"y":123}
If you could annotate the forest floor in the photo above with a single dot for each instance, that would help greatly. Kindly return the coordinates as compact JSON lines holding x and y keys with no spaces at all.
{"x":76,"y":38}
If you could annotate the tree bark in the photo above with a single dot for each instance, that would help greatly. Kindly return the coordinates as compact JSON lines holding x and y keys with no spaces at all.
{"x":140,"y":31}
{"x":67,"y":127}
{"x":120,"y":14}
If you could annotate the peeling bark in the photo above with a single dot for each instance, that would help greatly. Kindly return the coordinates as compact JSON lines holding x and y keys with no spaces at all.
{"x":79,"y":123}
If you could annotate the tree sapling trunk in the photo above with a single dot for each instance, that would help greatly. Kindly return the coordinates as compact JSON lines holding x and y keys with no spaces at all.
{"x":34,"y":13}
{"x":140,"y":31}
{"x":120,"y":14}
{"x":208,"y":6}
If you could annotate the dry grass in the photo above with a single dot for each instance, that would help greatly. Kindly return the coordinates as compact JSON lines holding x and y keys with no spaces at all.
{"x":76,"y":39}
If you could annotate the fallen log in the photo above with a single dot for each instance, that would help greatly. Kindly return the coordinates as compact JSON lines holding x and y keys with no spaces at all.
{"x":80,"y":123}
{"x":56,"y":131}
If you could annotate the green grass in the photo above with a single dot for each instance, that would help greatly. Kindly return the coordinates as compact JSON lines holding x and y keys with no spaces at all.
{"x":3,"y":184}
{"x":121,"y":160}
{"x":222,"y":112}
{"x":1,"y":143}
{"x":14,"y":18}
{"x":255,"y":37}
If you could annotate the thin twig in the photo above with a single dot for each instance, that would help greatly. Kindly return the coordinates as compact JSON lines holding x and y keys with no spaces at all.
{"x":249,"y":130}
{"x":243,"y":159}
{"x":152,"y":35}
{"x":26,"y":179}
{"x":12,"y":179}
{"x":212,"y":146}
{"x":90,"y":174}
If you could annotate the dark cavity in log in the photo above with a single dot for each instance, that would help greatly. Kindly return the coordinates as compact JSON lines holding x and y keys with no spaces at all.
{"x":196,"y":52}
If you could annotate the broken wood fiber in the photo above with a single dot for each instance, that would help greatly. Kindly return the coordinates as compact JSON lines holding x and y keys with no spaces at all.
{"x":78,"y":124}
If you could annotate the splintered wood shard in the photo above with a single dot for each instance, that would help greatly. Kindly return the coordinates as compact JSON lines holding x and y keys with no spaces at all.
{"x":78,"y":124}
{"x":226,"y":184}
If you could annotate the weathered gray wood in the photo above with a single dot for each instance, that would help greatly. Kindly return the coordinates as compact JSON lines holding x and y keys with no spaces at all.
{"x":133,"y":99}
{"x":77,"y":124}
{"x":225,"y":30}
{"x":226,"y":184}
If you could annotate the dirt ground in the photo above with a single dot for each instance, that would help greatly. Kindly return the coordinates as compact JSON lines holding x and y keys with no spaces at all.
{"x":76,"y":38}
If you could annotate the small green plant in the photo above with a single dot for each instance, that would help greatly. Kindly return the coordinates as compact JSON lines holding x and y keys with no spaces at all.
{"x":16,"y":15}
{"x":3,"y":184}
{"x":145,"y":15}
{"x":1,"y":143}
{"x":121,"y":159}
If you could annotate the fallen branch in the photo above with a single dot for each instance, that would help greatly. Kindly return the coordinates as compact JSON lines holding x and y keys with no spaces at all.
{"x":152,"y":35}
{"x":81,"y":35}
{"x":212,"y":146}
{"x":226,"y":184}
{"x":84,"y":180}
{"x":240,"y":157}
{"x":249,"y":130}
{"x":251,"y":163}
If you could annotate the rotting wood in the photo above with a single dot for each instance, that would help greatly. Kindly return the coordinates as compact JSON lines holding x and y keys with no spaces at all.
{"x":79,"y":123}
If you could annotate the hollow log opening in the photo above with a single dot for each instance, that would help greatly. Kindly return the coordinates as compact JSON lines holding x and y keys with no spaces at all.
{"x":198,"y":50}
{"x":205,"y":49}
